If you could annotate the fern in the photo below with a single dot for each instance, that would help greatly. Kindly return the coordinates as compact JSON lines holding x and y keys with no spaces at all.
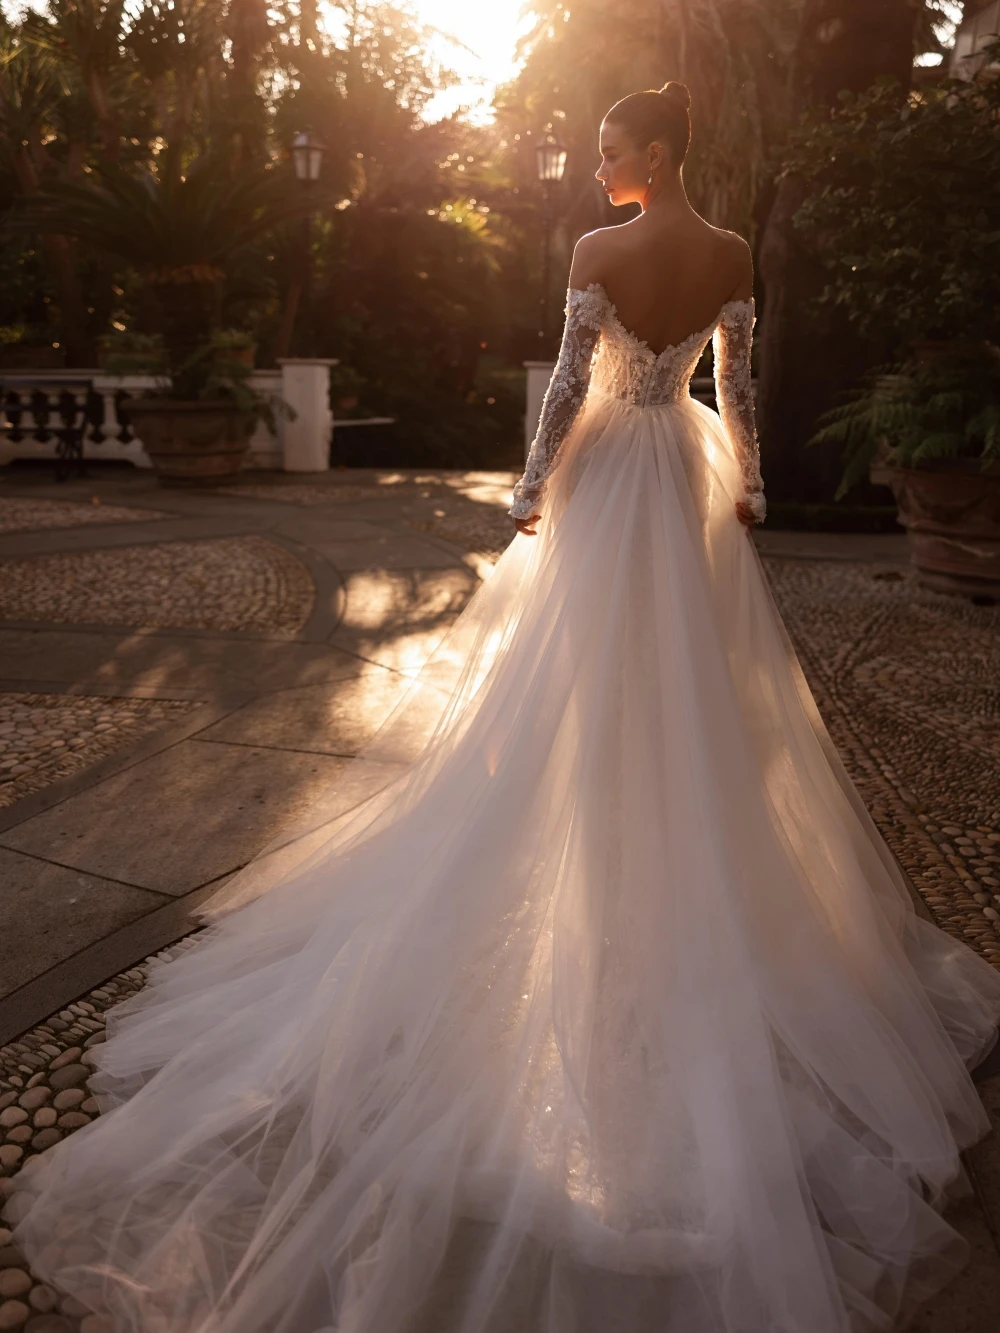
{"x":919,"y":413}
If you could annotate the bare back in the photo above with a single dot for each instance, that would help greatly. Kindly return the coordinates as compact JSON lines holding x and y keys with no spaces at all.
{"x":667,"y":277}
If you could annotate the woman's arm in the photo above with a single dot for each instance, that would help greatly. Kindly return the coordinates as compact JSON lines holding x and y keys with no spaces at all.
{"x":731,"y":344}
{"x":567,"y":387}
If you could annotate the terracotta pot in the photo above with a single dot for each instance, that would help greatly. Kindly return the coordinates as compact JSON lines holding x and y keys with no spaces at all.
{"x":191,"y":444}
{"x":951,"y":512}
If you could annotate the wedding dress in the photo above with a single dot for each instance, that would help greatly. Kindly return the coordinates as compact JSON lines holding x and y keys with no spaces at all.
{"x":603,"y":1010}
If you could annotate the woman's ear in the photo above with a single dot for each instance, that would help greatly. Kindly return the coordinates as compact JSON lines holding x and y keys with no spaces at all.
{"x":657,"y":157}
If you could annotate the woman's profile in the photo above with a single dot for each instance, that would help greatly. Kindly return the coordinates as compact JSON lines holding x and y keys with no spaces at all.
{"x":607,"y":1010}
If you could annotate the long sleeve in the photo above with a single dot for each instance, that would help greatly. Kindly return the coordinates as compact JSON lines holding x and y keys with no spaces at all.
{"x":734,"y":394}
{"x":563,"y":398}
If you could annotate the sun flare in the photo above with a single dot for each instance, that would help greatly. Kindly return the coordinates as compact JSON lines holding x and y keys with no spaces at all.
{"x":482,"y":54}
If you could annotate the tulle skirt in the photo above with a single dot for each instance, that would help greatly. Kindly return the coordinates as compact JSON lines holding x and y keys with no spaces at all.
{"x":603,"y":1010}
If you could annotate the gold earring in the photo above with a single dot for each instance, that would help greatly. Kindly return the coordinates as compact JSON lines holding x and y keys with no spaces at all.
{"x":650,"y":181}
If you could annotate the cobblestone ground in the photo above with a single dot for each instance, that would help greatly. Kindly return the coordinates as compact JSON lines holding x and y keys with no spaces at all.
{"x":231,"y":583}
{"x":43,"y":1097}
{"x":908,"y":683}
{"x":23,"y":515}
{"x":45,"y":737}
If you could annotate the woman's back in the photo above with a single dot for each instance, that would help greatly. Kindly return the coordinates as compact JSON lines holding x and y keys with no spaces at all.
{"x":667,"y":277}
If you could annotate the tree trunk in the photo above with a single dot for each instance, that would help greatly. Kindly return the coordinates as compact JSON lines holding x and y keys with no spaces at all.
{"x":807,"y":361}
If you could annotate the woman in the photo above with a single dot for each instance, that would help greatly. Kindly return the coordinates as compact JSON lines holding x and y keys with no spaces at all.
{"x":607,"y":1011}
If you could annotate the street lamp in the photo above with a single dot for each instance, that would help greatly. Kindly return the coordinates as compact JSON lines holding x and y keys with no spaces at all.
{"x":307,"y":158}
{"x":550,"y":163}
{"x":307,"y":154}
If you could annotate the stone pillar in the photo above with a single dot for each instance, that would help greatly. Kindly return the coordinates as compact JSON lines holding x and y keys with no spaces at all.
{"x":539,"y":374}
{"x":305,"y":387}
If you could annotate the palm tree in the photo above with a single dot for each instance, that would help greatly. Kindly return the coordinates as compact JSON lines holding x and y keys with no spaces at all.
{"x":87,"y":34}
{"x":176,"y":231}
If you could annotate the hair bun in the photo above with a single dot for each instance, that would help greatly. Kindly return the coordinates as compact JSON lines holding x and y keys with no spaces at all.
{"x":677,"y":92}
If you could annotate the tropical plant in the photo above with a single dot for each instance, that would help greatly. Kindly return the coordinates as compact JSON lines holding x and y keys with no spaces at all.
{"x":943,"y":406}
{"x":206,"y":376}
{"x":176,"y":232}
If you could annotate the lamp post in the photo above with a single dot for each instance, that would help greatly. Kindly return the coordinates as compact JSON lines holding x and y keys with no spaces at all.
{"x":550,"y":160}
{"x":307,"y":158}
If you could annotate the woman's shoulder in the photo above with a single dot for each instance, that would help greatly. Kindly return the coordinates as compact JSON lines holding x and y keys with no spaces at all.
{"x":590,"y":255}
{"x":733,"y":247}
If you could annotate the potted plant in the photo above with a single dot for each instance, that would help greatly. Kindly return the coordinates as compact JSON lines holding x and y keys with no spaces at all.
{"x":175,"y":230}
{"x":196,"y":422}
{"x":930,"y":429}
{"x":234,"y":345}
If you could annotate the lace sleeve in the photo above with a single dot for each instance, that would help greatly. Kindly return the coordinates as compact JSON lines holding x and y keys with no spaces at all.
{"x":563,"y":398}
{"x":734,"y":394}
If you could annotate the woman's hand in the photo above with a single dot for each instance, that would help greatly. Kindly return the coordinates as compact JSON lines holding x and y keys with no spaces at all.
{"x":746,"y":515}
{"x":524,"y":524}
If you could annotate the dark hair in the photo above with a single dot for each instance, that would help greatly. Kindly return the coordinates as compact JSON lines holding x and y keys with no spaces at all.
{"x":663,"y":117}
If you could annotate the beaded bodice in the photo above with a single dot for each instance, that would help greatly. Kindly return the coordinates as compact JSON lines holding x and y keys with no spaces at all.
{"x":599,"y":353}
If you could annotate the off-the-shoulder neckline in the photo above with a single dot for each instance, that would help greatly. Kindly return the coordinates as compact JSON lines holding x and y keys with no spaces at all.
{"x":640,"y":343}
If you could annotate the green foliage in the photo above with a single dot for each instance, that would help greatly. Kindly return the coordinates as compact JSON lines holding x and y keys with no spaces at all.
{"x":946,"y":406}
{"x":126,"y":353}
{"x":208,"y":375}
{"x":232,"y":340}
{"x":158,"y":223}
{"x":903,"y":210}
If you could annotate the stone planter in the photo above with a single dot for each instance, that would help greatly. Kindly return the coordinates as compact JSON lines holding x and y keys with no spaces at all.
{"x":951,"y":512}
{"x":191,"y":444}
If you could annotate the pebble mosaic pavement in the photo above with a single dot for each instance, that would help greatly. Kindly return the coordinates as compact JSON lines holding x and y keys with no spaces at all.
{"x":18,"y":514}
{"x":908,"y":683}
{"x":247,"y":584}
{"x":45,"y":737}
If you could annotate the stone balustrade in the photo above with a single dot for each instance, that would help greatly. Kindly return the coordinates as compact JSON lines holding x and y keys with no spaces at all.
{"x":301,"y":443}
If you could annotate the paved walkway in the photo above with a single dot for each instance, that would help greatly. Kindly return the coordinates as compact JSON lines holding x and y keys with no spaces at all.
{"x":180,"y":673}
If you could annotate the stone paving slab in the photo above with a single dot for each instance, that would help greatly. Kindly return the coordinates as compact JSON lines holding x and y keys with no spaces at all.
{"x":395,"y":618}
{"x":194,"y":812}
{"x":386,"y":551}
{"x":164,"y":664}
{"x":333,"y":719}
{"x":49,"y":911}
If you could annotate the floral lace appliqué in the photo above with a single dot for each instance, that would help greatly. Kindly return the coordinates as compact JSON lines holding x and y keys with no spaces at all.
{"x":564,"y":396}
{"x":734,"y":395}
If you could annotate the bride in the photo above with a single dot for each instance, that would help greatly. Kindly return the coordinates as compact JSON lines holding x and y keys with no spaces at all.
{"x":605,"y":1009}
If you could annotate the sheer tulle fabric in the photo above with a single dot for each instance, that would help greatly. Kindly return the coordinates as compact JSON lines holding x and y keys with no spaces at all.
{"x":608,"y":1011}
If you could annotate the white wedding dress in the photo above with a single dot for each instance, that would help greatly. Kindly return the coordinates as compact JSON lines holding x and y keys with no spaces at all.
{"x":606,"y":1010}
